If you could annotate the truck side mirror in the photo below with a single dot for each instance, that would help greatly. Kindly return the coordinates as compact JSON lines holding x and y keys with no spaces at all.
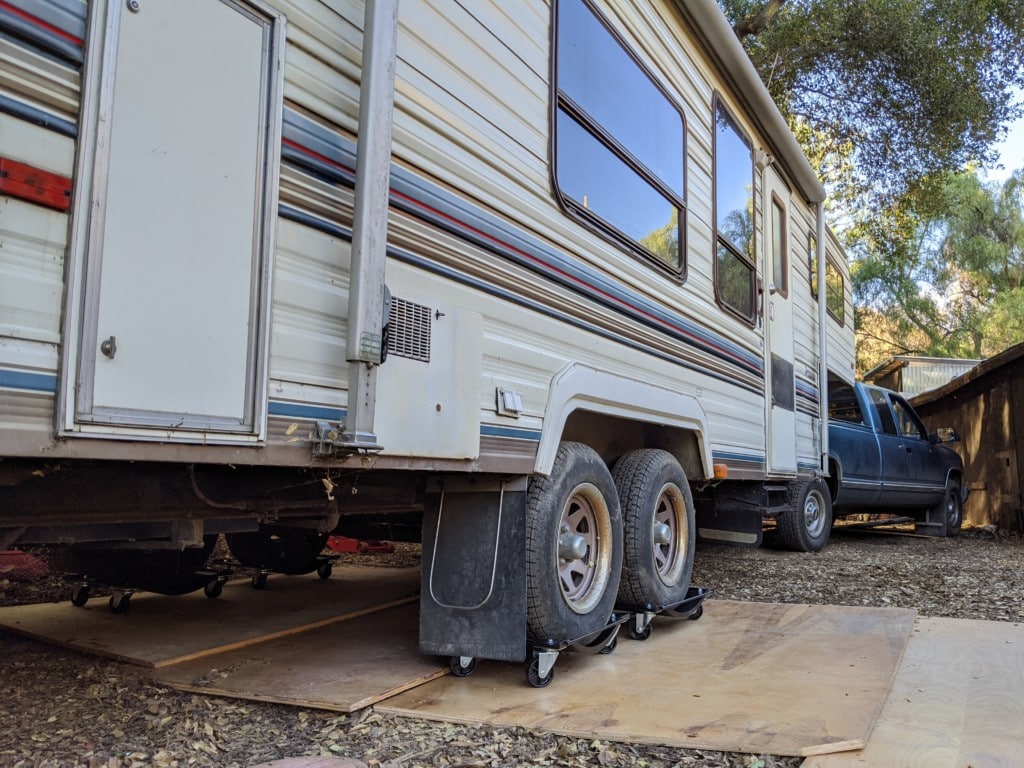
{"x":945,"y":435}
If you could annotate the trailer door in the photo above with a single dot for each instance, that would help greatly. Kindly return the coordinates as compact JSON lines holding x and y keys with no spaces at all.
{"x":780,"y":397}
{"x":173,"y":226}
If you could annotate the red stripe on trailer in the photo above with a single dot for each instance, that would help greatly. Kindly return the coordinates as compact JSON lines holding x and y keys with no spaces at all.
{"x":35,"y":185}
{"x":40,"y":23}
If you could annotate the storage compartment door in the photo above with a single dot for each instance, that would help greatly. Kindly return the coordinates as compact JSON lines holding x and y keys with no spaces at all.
{"x":179,"y":226}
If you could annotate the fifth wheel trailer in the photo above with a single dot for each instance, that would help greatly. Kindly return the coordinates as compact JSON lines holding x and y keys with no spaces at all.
{"x":535,"y":283}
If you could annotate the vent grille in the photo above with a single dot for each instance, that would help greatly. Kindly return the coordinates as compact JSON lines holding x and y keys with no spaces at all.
{"x":409,"y":330}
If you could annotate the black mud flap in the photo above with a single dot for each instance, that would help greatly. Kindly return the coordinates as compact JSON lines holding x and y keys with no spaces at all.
{"x":732,"y":514}
{"x":473,"y":593}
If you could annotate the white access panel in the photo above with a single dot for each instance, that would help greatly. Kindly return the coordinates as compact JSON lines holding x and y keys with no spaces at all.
{"x":432,"y":408}
{"x":174,"y":329}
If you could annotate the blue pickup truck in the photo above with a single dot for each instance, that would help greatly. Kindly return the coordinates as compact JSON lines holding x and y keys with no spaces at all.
{"x":882,"y":459}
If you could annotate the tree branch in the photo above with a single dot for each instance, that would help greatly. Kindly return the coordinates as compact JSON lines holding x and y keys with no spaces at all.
{"x":758,"y":22}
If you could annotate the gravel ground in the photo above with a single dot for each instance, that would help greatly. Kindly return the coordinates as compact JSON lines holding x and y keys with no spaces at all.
{"x":60,"y":708}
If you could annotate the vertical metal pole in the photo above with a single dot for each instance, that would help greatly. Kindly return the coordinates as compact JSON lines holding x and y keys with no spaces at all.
{"x":822,"y":336}
{"x":370,"y":220}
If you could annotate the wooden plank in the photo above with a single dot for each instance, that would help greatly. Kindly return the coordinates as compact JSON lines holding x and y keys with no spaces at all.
{"x":159,"y":630}
{"x":747,"y":677}
{"x":341,"y":667}
{"x":956,"y":701}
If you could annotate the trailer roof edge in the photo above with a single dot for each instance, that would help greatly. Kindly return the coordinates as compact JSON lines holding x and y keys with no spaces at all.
{"x":722,"y":43}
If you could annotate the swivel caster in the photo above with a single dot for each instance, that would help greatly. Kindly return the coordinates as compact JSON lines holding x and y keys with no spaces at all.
{"x":462,"y":666}
{"x":640,"y":626}
{"x":213,"y":588}
{"x":537,"y":676}
{"x":120,"y":601}
{"x":80,"y":595}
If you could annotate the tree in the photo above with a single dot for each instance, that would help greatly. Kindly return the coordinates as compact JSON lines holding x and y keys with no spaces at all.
{"x":942,"y":275}
{"x":913,"y":87}
{"x":985,"y":242}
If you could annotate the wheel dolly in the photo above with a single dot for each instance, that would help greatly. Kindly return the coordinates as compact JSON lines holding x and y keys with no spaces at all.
{"x":540,"y":669}
{"x":691,"y":607}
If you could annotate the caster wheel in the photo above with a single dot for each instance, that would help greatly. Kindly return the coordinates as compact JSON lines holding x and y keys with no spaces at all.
{"x":325,"y":570}
{"x":639,"y":634}
{"x":119,"y":602}
{"x":533,"y":674}
{"x":80,"y":596}
{"x":259,"y":580}
{"x":459,"y":669}
{"x":610,"y":647}
{"x":697,"y":613}
{"x":213,"y":589}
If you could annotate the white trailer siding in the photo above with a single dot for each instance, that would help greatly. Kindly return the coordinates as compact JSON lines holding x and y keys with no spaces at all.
{"x":476,"y":233}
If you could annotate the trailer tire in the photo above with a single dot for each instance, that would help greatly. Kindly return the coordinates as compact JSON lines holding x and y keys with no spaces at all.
{"x":658,"y":529}
{"x":573,"y":547}
{"x":808,"y":523}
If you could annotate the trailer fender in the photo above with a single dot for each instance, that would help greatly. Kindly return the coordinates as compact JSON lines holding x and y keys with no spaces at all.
{"x":578,"y":387}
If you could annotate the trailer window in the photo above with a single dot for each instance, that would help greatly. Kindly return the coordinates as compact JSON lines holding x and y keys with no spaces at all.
{"x":735,"y":275}
{"x":618,"y":139}
{"x":834,"y":284}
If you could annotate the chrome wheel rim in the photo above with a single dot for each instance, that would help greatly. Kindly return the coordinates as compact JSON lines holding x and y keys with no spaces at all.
{"x":669,"y":534}
{"x":584,"y":548}
{"x":814,"y":514}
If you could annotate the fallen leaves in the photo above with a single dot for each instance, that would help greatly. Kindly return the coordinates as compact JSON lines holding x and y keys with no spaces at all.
{"x":62,"y":709}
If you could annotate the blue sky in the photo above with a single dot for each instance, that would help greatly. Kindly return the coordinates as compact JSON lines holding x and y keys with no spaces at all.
{"x":1011,"y":150}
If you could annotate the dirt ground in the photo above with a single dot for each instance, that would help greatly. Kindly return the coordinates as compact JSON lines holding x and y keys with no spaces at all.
{"x":60,"y":708}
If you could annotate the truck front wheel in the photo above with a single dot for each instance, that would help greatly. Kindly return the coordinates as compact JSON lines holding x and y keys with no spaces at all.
{"x":808,"y":523}
{"x":574,"y":547}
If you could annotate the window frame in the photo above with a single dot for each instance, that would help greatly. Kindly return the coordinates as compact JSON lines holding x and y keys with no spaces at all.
{"x":563,"y":102}
{"x":812,"y":264}
{"x":779,"y":205}
{"x":718,"y":239}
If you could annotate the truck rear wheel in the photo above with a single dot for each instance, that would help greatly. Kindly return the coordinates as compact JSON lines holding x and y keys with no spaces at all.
{"x":808,"y":523}
{"x":951,"y":509}
{"x":573,"y":547}
{"x":659,"y":533}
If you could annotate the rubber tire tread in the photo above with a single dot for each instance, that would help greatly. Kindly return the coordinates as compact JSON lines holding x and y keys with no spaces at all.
{"x":791,"y":528}
{"x":547,"y":615}
{"x":952,"y":531}
{"x":638,"y":475}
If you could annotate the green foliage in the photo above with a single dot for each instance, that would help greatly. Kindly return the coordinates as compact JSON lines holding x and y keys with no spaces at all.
{"x":943,"y":274}
{"x":908,"y":88}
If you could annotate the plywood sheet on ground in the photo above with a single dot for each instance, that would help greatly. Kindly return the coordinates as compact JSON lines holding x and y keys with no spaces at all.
{"x":750,"y":677}
{"x":160,"y":629}
{"x":956,"y":701}
{"x":343,"y":666}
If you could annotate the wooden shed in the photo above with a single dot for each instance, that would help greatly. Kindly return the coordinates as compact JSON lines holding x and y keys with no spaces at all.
{"x":986,"y":407}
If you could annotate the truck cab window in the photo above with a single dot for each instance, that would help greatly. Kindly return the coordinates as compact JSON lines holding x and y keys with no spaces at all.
{"x":909,"y":425}
{"x":618,"y":139}
{"x":884,"y":410}
{"x":735,"y":275}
